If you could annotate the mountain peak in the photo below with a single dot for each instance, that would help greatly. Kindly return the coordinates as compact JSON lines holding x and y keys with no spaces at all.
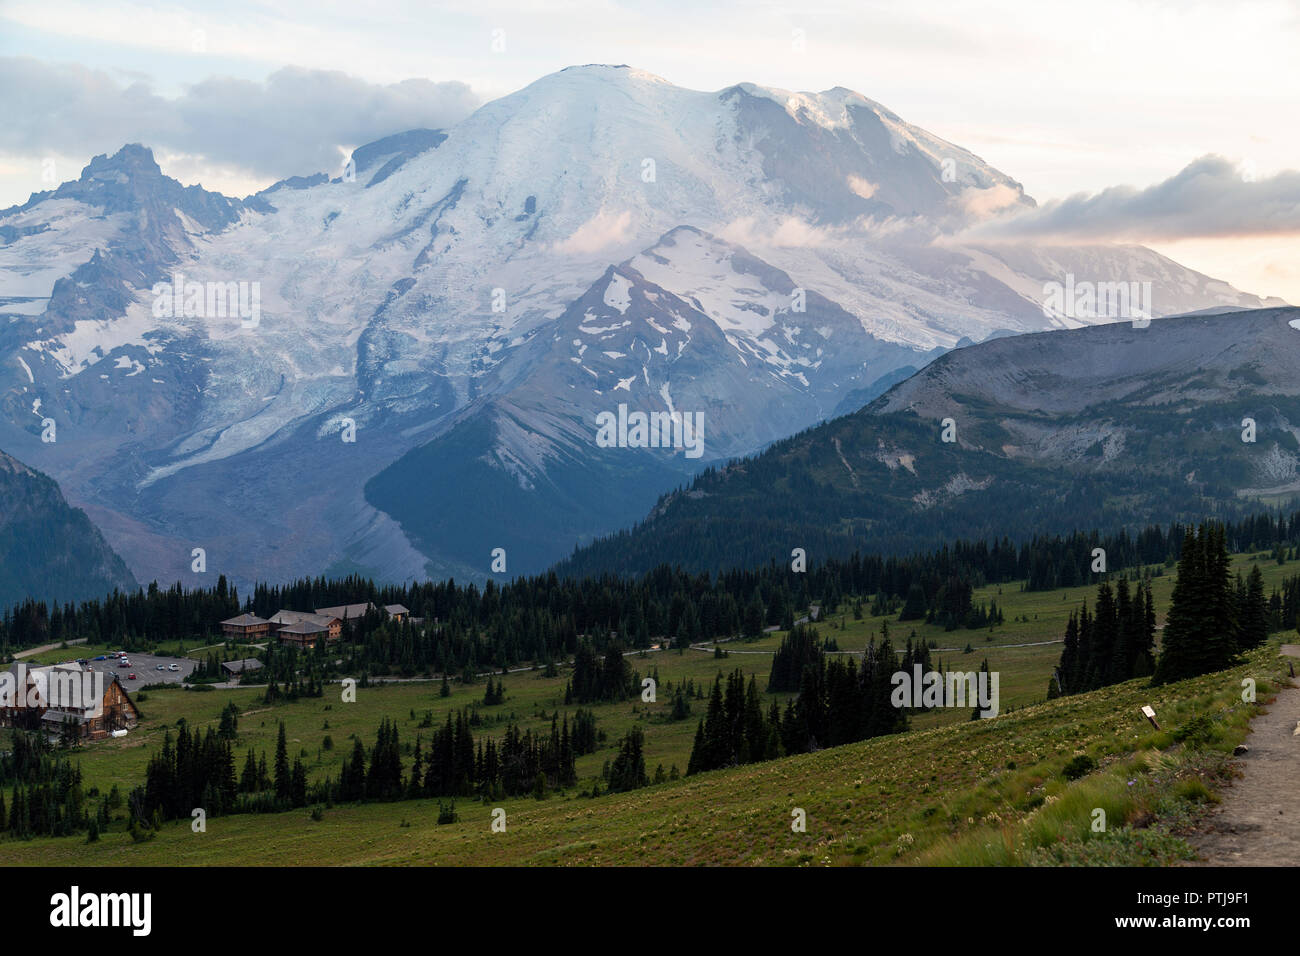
{"x":585,"y":77}
{"x":613,"y":71}
{"x":132,"y":158}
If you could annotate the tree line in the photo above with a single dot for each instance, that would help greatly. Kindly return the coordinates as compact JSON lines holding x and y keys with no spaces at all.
{"x":197,"y":770}
{"x":1212,"y":618}
{"x":543,"y":617}
{"x":840,"y":699}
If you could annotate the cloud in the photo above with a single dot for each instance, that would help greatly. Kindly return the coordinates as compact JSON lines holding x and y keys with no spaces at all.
{"x":981,"y":203}
{"x":602,"y":230}
{"x":861,"y":187}
{"x":792,"y":232}
{"x":297,"y":121}
{"x":784,"y":232}
{"x":1210,"y":198}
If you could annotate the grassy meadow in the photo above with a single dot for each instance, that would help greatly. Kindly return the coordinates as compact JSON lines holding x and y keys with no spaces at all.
{"x":949,"y":791}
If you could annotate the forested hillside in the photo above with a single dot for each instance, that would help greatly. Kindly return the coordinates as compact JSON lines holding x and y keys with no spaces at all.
{"x":1111,"y":426}
{"x":49,"y":550}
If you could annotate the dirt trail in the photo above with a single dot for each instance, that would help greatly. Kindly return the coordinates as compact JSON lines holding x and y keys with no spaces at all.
{"x":1258,"y":823}
{"x":47,"y":647}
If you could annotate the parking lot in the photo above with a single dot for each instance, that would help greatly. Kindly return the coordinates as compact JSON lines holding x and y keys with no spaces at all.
{"x":145,"y":669}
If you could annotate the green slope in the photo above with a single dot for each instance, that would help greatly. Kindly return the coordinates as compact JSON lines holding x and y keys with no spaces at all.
{"x":988,"y":792}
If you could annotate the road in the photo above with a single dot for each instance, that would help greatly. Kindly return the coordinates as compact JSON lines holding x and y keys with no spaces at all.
{"x":46,"y":647}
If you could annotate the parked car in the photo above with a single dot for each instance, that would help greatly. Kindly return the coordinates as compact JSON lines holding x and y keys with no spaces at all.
{"x":102,"y":657}
{"x":131,"y":676}
{"x":162,"y":667}
{"x":123,"y":663}
{"x":174,"y":667}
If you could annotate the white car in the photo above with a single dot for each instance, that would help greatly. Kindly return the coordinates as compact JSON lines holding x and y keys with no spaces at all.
{"x":174,"y":667}
{"x":162,"y":667}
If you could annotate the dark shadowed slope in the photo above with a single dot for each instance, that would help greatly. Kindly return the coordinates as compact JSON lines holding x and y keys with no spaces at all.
{"x":48,"y":549}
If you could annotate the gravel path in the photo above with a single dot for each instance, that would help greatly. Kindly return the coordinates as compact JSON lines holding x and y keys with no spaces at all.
{"x":1258,"y":823}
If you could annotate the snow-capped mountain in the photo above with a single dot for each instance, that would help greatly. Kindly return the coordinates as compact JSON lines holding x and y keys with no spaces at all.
{"x":464,"y":302}
{"x":694,"y":326}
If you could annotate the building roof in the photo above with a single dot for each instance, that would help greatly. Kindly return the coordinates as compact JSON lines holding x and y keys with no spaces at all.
{"x":238,"y":667}
{"x":34,"y":668}
{"x":297,"y":617}
{"x":346,"y":611}
{"x":304,"y":627}
{"x":245,"y":620}
{"x":395,"y":609}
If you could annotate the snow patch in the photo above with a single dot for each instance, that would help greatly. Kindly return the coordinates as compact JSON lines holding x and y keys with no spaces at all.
{"x":585,"y":330}
{"x":667,"y":397}
{"x":91,"y":340}
{"x":618,"y":293}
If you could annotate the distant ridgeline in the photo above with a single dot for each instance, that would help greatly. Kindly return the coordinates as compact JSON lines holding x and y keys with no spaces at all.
{"x":709,"y":533}
{"x":543,"y":618}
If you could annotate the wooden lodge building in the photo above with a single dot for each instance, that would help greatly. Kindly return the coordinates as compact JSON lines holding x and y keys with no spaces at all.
{"x":114,"y":713}
{"x":305,"y":634}
{"x":303,"y":629}
{"x":300,"y":623}
{"x":246,"y":629}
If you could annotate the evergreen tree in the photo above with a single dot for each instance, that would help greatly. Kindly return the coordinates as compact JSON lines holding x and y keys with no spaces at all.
{"x":1200,"y":629}
{"x":628,"y":769}
{"x":283,"y":781}
{"x":914,"y":607}
{"x":1252,"y":612}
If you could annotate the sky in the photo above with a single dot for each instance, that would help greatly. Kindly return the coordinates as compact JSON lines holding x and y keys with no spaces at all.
{"x":1169,"y":122}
